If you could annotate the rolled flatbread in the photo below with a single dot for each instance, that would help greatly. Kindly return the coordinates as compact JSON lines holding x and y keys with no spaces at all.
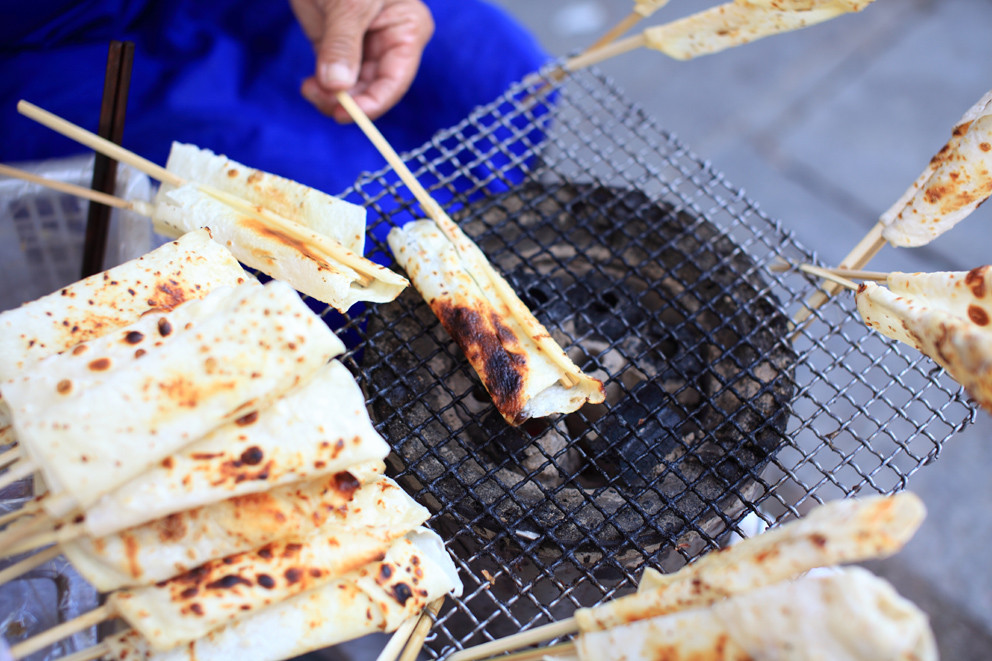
{"x":377,"y":596}
{"x":167,"y":547}
{"x":945,"y":315}
{"x":99,"y":415}
{"x":741,"y":22}
{"x":842,"y":531}
{"x":846,"y":615}
{"x":299,"y":249}
{"x":319,"y":428}
{"x":523,"y":379}
{"x":957,"y":179}
{"x":331,"y":216}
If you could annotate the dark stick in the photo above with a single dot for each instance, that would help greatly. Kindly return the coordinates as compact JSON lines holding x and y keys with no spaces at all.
{"x":112,"y":113}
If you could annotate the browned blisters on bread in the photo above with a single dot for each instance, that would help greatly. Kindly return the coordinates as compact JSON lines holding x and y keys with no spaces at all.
{"x":228,"y":582}
{"x":266,"y":581}
{"x":189,"y":593}
{"x":196,"y":609}
{"x":975,"y":280}
{"x":252,"y":456}
{"x":164,"y":327}
{"x":247,"y":419}
{"x":131,"y":552}
{"x":293,"y":575}
{"x":402,"y":592}
{"x":978,"y":315}
{"x":346,"y":484}
{"x":139,"y":353}
{"x":168,"y":463}
{"x":489,"y":346}
{"x":818,"y":540}
{"x":172,"y":528}
{"x":63,"y":387}
{"x":100,"y":365}
{"x":262,"y":229}
{"x":134,"y":337}
{"x":79,"y":348}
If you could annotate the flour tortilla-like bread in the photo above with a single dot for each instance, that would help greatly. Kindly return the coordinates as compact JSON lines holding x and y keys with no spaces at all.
{"x":953,"y":330}
{"x":97,"y":416}
{"x":740,"y":22}
{"x":957,"y":179}
{"x":291,"y":251}
{"x":319,"y":428}
{"x":521,"y":379}
{"x":378,"y":596}
{"x":331,"y":216}
{"x":412,"y":572}
{"x":182,"y":270}
{"x":167,"y":547}
{"x":845,"y":615}
{"x":848,"y":530}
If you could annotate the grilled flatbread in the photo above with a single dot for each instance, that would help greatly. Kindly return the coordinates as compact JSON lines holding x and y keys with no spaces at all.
{"x":523,"y":379}
{"x":378,"y":596}
{"x":945,"y":315}
{"x":182,"y":270}
{"x":319,"y":428}
{"x":331,"y":216}
{"x":846,"y":615}
{"x":166,"y":380}
{"x":842,"y":531}
{"x":957,"y":179}
{"x":298,"y":250}
{"x":740,"y":22}
{"x":161,"y":549}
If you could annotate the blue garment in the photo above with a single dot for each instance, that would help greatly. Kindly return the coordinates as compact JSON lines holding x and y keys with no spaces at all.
{"x":225,"y":75}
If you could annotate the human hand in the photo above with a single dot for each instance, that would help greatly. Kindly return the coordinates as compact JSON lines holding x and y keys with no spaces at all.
{"x":370,"y":48}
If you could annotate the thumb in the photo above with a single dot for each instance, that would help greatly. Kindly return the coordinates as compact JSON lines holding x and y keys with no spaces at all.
{"x":339,"y":50}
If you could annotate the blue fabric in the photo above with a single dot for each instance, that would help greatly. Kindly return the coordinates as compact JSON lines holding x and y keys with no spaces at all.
{"x":225,"y":75}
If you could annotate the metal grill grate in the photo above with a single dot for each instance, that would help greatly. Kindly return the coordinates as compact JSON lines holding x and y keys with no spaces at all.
{"x":652,"y":272}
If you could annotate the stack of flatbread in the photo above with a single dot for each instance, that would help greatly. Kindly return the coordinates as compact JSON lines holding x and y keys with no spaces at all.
{"x":946,"y":315}
{"x":207,"y":462}
{"x":760,"y":598}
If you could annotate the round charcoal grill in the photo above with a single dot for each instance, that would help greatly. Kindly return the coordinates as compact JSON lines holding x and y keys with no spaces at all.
{"x":695,"y":370}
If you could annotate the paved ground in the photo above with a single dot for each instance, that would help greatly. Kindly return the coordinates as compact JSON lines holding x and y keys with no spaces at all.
{"x":825,"y":128}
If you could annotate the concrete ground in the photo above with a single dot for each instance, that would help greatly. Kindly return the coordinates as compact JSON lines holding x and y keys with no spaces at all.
{"x":824,"y":129}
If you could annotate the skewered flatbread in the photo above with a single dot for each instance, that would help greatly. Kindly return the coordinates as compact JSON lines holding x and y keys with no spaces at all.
{"x":331,"y":216}
{"x":168,"y":379}
{"x":846,"y":615}
{"x":957,"y":179}
{"x":376,"y":597}
{"x":946,"y":315}
{"x":297,"y":249}
{"x":319,"y":428}
{"x":842,"y":531}
{"x":523,"y":381}
{"x":161,"y":549}
{"x":740,"y":22}
{"x":179,"y":271}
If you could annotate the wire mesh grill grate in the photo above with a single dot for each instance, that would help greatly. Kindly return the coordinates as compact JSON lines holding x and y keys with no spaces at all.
{"x":571,"y":184}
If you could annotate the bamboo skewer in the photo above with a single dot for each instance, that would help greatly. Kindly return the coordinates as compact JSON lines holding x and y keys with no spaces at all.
{"x":18,"y":470}
{"x":858,"y":258}
{"x":366,"y":269}
{"x":561,"y":649}
{"x":137,"y":206}
{"x":415,"y":643}
{"x":24,"y":510}
{"x":58,"y":535}
{"x":15,"y":532}
{"x":57,"y":633}
{"x":397,"y":641}
{"x":27,"y":564}
{"x":518,"y":640}
{"x":434,"y":211}
{"x":88,"y":654}
{"x":598,"y":55}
